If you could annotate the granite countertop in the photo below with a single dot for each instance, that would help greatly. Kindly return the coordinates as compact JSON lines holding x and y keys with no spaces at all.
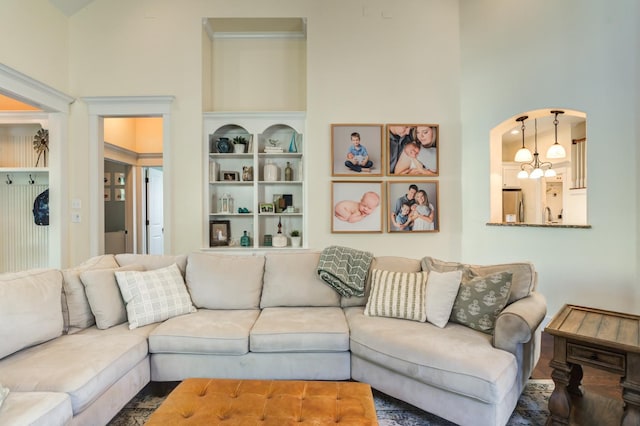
{"x":538,"y":225}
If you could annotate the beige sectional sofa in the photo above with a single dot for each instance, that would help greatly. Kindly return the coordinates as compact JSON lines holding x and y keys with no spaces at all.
{"x":68,"y":355}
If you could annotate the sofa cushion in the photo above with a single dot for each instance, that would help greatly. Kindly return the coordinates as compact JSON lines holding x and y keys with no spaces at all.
{"x":152,"y":261}
{"x":81,"y":365}
{"x":36,"y":409}
{"x":398,"y":295}
{"x":79,"y":314}
{"x":480,"y":300}
{"x":291,"y":279}
{"x":153,"y":296}
{"x":104,"y":296}
{"x":460,"y":360}
{"x":220,"y":332}
{"x":30,"y":309}
{"x":3,"y":394}
{"x":220,"y":281}
{"x":300,"y":329}
{"x":388,"y":263}
{"x":524,"y":275}
{"x":442,"y":289}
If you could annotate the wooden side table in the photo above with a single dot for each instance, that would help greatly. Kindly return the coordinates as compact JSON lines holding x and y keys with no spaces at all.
{"x":597,"y":338}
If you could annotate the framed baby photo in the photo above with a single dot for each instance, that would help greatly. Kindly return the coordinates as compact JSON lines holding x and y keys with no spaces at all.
{"x":356,"y":150}
{"x":412,"y":149}
{"x":413,"y":206}
{"x":356,"y":206}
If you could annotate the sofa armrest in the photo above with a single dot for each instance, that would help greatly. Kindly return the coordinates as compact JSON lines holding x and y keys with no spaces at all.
{"x":518,"y":322}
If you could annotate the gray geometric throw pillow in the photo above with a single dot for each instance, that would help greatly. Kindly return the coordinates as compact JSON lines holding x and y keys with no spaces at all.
{"x":480,"y":301}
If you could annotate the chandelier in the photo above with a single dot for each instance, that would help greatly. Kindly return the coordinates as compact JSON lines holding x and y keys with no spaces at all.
{"x":537,"y":168}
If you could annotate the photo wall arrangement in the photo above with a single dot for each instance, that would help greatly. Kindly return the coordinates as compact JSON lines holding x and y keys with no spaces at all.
{"x":406,"y":157}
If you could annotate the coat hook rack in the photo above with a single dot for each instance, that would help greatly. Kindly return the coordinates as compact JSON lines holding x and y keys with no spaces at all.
{"x":31,"y":180}
{"x":9,"y":181}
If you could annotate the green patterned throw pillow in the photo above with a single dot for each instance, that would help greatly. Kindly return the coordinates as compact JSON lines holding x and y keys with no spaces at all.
{"x":398,"y":295}
{"x":480,"y":300}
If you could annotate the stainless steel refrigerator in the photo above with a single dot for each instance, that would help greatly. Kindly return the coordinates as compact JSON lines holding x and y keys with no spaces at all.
{"x":512,"y":205}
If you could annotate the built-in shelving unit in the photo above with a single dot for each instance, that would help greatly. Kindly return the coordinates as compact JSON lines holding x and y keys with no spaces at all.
{"x":228,"y":177}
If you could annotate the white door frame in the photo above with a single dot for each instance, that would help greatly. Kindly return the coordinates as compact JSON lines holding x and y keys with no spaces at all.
{"x":124,"y":106}
{"x":55,"y":105}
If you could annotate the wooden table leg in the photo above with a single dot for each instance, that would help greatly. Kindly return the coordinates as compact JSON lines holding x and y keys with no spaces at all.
{"x":631,"y":391}
{"x":560,"y":400}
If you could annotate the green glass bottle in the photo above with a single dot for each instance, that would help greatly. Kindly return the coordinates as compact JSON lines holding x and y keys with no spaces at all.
{"x":244,"y":240}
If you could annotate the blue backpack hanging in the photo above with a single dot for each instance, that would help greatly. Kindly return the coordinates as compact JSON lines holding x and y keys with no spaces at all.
{"x":41,"y":209}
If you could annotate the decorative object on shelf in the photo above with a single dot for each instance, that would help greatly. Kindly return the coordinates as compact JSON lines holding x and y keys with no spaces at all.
{"x":244,"y":240}
{"x":247,"y":173}
{"x":538,"y":168}
{"x":226,"y":203}
{"x":268,"y":240}
{"x":288,"y":201}
{"x":213,"y":171}
{"x":240,"y":144}
{"x":270,"y":172}
{"x":296,"y":239}
{"x":266,"y":208}
{"x":279,"y":240}
{"x":219,"y":233}
{"x":288,"y":172}
{"x":273,"y":147}
{"x":41,"y":145}
{"x":224,"y":146}
{"x":227,"y":175}
{"x":243,"y":210}
{"x":292,"y":143}
{"x":556,"y":151}
{"x":9,"y":181}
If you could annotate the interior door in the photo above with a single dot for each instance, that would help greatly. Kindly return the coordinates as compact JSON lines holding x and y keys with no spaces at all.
{"x":155,"y":227}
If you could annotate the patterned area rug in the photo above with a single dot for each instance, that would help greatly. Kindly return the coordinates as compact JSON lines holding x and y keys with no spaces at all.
{"x":531,"y":409}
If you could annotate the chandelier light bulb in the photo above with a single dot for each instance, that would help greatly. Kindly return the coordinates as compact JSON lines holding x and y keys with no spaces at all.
{"x":556,"y":150}
{"x":523,"y":156}
{"x":549,"y":173}
{"x":522,"y":174}
{"x":536,"y":174}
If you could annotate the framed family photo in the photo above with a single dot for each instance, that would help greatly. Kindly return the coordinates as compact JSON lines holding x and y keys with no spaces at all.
{"x":413,"y":206}
{"x":356,"y":149}
{"x":356,"y":206}
{"x":219,"y":233}
{"x":412,"y":149}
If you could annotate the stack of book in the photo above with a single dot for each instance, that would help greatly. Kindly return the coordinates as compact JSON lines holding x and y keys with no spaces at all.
{"x":273,"y":149}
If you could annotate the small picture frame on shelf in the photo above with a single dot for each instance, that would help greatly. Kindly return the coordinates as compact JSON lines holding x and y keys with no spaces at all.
{"x":219,"y":233}
{"x":230,"y":176}
{"x":266,"y":207}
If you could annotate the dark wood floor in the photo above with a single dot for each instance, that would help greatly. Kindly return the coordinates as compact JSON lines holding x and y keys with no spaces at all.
{"x":602,"y":401}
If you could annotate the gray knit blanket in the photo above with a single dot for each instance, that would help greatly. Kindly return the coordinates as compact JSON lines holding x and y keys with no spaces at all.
{"x":345,"y":269}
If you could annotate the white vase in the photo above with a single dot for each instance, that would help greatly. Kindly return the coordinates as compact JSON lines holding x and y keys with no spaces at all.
{"x":270,"y":172}
{"x":295,"y":241}
{"x":238,"y":148}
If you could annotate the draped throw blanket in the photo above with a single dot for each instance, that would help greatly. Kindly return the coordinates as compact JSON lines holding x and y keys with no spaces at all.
{"x":345,"y":269}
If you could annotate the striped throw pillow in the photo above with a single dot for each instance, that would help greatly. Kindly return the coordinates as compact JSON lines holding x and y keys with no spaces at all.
{"x":397,"y":295}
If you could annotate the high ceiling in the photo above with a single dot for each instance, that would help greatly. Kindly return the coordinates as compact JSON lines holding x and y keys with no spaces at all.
{"x":69,"y":7}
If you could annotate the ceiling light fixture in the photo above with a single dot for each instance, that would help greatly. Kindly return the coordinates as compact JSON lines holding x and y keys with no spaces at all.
{"x":556,"y":150}
{"x":538,"y":168}
{"x":523,"y":155}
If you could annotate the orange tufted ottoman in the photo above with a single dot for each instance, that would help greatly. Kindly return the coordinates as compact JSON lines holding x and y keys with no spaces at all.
{"x":266,"y":403}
